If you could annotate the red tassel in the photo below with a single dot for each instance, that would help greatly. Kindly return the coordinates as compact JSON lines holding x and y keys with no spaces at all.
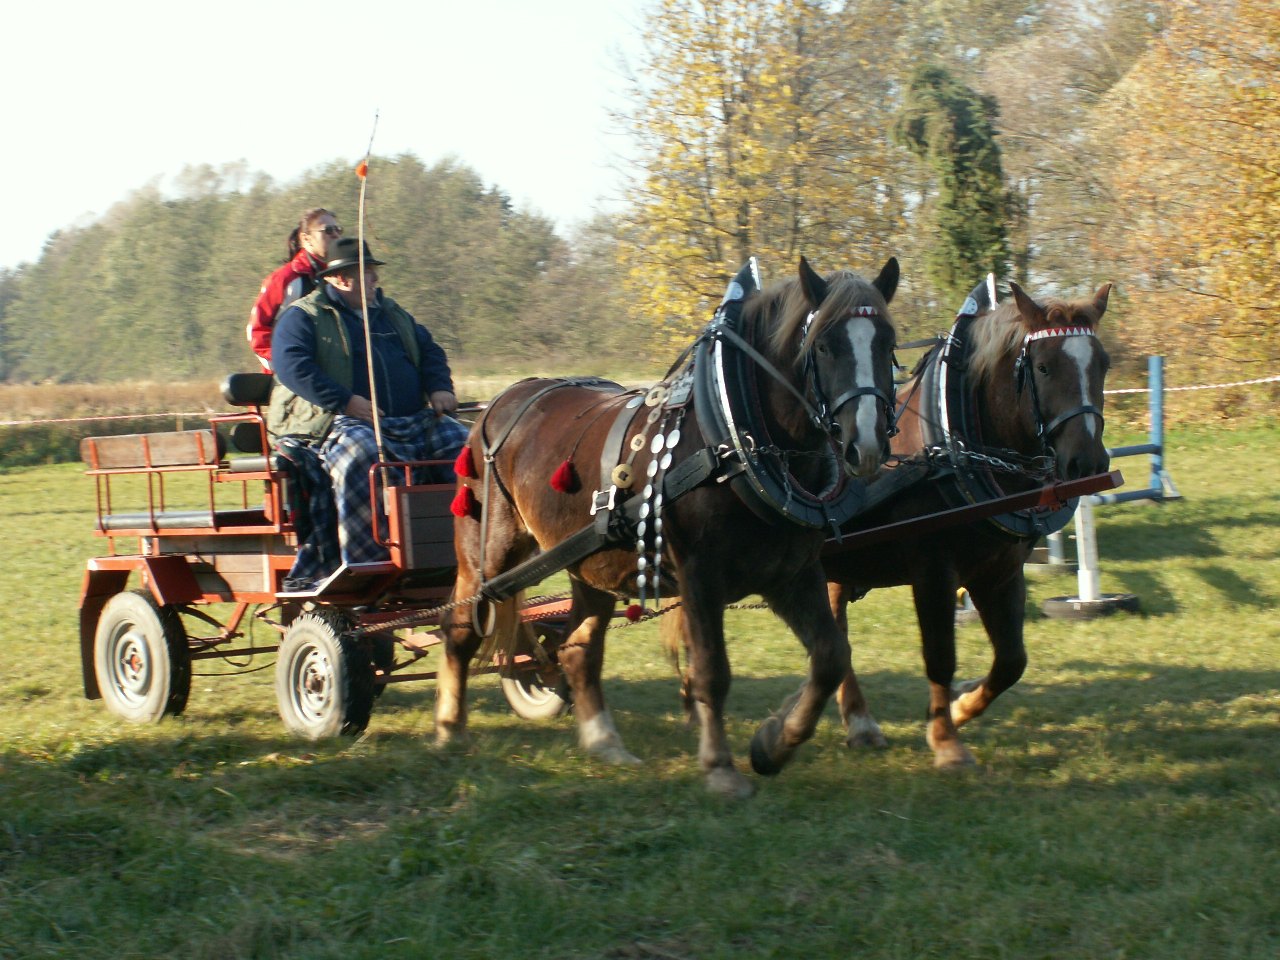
{"x":565,"y":479}
{"x":464,"y":502}
{"x":634,"y":612}
{"x":464,"y":466}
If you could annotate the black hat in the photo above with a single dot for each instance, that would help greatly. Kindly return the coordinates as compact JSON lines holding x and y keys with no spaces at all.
{"x":343,"y":253}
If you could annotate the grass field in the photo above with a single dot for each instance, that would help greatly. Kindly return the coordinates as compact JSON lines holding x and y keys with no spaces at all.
{"x":1127,"y":802}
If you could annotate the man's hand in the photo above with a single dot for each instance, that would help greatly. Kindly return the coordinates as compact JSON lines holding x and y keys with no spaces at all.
{"x":360,"y":408}
{"x":442,"y":402}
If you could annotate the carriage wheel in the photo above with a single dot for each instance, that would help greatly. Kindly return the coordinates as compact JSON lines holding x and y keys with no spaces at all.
{"x":141,"y":658}
{"x":536,"y":693}
{"x":324,"y":681}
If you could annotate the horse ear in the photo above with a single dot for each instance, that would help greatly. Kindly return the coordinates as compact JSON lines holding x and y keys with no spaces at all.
{"x":1100,"y":299}
{"x":1032,"y":312}
{"x":887,"y":282}
{"x":814,"y":287}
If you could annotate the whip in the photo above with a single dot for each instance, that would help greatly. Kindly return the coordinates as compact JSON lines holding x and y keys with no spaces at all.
{"x":362,"y":171}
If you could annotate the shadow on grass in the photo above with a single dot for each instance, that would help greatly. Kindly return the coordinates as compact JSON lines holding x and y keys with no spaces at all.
{"x":1129,"y":712}
{"x":1128,"y":533}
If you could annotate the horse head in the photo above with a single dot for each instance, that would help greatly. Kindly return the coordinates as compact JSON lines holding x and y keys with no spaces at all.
{"x":846,"y":351}
{"x":1059,"y":373}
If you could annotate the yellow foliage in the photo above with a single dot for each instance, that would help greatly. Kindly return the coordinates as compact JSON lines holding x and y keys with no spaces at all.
{"x":1197,"y":124}
{"x":754,"y":140}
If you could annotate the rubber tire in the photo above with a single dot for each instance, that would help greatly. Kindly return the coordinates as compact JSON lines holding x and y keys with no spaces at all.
{"x":141,"y":658}
{"x":324,"y":680}
{"x":531,"y":698}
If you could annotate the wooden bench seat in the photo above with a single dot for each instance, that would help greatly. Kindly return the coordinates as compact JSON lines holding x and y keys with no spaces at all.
{"x":136,"y":451}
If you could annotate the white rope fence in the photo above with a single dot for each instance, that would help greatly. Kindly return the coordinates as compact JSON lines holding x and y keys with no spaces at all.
{"x":1205,"y":386}
{"x":205,"y":413}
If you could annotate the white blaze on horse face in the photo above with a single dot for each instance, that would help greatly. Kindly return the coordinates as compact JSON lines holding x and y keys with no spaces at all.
{"x":1080,"y":350}
{"x":862,"y":334}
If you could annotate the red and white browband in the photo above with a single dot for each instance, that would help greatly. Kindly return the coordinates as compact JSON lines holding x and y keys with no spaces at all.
{"x":1057,"y":332}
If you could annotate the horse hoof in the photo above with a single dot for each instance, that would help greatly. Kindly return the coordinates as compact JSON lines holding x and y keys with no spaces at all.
{"x":453,"y":740}
{"x":762,"y":761}
{"x":866,"y":735}
{"x":953,"y":756}
{"x":617,"y":755}
{"x":728,"y":782}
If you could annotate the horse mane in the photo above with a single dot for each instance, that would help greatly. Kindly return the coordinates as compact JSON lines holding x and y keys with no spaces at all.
{"x":998,"y":335}
{"x":781,"y":310}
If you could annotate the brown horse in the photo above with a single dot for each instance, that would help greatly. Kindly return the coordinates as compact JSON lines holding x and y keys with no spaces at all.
{"x":717,"y":537}
{"x":1026,"y":394}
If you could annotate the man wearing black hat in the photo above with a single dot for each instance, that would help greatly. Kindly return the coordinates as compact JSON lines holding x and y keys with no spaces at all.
{"x":323,"y":402}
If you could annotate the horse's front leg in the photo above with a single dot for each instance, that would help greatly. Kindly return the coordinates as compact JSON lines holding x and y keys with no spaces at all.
{"x":935,"y":599}
{"x":1003,"y":608}
{"x":581,"y":657}
{"x":802,"y":604}
{"x":859,"y":724}
{"x":706,"y":687}
{"x":461,"y":640}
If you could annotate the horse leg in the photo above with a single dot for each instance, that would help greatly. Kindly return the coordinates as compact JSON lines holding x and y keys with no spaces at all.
{"x":1002,"y":608}
{"x":507,"y":543}
{"x":461,"y":641}
{"x":935,"y":599}
{"x":581,"y":657}
{"x":861,"y":726}
{"x":802,"y":605}
{"x":706,"y":686}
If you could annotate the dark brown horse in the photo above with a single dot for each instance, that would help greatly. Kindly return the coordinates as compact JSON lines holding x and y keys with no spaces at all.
{"x":819,"y":408}
{"x":1026,"y":394}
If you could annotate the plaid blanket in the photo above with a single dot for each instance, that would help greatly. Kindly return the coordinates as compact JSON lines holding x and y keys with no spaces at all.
{"x":329,"y":491}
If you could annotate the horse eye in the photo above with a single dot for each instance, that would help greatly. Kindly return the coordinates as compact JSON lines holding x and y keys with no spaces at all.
{"x":1042,"y":368}
{"x":823,"y":349}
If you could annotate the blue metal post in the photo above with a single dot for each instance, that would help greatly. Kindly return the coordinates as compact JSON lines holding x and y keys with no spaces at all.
{"x":1155,"y":383}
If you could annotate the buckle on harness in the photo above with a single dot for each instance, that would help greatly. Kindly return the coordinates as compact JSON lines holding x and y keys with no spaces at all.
{"x":603,"y":500}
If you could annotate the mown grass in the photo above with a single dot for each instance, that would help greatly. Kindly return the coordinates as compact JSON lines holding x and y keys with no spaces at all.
{"x":1127,"y":802}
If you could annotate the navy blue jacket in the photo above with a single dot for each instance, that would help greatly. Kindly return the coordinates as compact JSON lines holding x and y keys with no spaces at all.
{"x":402,"y":388}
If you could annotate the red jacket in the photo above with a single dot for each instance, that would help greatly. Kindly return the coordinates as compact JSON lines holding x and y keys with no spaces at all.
{"x":288,"y":283}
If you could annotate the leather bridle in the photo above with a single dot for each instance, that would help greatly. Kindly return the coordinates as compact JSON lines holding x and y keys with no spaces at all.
{"x":1025,"y":374}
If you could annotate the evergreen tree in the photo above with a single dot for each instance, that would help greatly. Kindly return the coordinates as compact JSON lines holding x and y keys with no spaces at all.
{"x":950,"y":127}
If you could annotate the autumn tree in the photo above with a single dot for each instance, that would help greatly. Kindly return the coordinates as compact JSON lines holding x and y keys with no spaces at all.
{"x":1197,"y":121}
{"x":759,"y":129}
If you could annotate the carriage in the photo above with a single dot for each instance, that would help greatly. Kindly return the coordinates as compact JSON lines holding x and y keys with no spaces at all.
{"x":210,"y":583}
{"x":786,"y":392}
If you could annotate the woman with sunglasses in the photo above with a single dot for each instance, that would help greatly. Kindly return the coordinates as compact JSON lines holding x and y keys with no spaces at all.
{"x":308,"y":251}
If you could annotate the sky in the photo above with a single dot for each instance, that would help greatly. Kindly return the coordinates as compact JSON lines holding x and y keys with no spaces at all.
{"x":103,"y":99}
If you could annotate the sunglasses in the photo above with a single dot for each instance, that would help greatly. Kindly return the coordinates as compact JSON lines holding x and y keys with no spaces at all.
{"x":332,"y":230}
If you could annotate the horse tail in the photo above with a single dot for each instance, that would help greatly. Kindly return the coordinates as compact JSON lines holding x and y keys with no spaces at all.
{"x":672,"y":630}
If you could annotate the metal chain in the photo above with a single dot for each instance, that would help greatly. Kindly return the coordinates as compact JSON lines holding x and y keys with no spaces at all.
{"x":1035,"y":468}
{"x":426,"y":616}
{"x":654,"y":614}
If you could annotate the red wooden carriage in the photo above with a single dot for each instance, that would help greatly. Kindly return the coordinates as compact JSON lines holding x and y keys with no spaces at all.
{"x":207,"y":583}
